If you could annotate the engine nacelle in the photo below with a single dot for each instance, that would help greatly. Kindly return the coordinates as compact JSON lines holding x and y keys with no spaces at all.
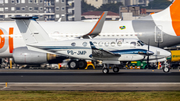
{"x":22,"y":55}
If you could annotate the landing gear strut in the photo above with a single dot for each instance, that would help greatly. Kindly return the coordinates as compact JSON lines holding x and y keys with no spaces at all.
{"x":166,"y":67}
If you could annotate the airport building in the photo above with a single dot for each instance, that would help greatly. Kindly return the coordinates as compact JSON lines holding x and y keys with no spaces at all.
{"x":99,"y":3}
{"x":67,"y":10}
{"x":97,"y":14}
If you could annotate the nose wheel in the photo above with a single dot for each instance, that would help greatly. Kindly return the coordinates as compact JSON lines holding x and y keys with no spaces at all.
{"x":166,"y":69}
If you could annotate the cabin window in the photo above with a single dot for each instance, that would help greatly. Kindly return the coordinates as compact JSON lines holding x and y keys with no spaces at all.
{"x":84,"y":44}
{"x":73,"y":44}
{"x":119,"y":43}
{"x":106,"y":44}
{"x":95,"y":43}
{"x":100,"y":44}
{"x":113,"y":44}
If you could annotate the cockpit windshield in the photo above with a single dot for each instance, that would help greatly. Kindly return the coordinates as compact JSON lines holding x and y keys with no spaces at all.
{"x":141,"y":43}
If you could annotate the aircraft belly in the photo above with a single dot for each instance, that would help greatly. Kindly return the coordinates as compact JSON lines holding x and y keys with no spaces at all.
{"x":130,"y":57}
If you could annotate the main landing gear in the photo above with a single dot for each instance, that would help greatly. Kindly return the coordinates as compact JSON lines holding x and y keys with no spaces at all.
{"x":73,"y":64}
{"x":105,"y":69}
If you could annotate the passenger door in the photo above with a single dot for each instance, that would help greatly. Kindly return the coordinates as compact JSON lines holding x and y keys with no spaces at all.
{"x":158,"y":34}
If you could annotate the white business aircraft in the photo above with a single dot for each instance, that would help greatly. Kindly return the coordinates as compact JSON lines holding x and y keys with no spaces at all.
{"x":12,"y":45}
{"x":110,"y":51}
{"x":161,"y":28}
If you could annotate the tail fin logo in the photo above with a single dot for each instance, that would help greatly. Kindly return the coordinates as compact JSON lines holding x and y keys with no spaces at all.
{"x":175,"y":16}
{"x":4,"y":40}
{"x":122,"y":27}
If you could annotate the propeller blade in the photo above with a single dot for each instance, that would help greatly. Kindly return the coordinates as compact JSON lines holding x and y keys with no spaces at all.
{"x":148,"y":55}
{"x":148,"y":44}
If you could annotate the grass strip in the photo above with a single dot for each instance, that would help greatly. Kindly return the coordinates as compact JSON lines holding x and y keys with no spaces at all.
{"x":88,"y":96}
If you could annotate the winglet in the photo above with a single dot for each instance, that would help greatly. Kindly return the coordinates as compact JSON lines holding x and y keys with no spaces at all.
{"x":98,"y":26}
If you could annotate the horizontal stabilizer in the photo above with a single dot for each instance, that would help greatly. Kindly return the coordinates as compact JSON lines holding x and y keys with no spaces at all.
{"x":24,"y":17}
{"x":31,"y":31}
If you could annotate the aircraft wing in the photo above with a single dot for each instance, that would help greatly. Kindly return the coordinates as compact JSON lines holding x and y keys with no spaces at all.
{"x":97,"y":28}
{"x":100,"y":53}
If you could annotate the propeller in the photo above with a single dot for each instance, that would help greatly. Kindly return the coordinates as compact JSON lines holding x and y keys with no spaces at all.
{"x":148,"y":55}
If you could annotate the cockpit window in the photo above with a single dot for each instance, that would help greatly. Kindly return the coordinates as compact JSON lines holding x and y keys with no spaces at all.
{"x":133,"y":43}
{"x":141,"y":43}
{"x":138,"y":44}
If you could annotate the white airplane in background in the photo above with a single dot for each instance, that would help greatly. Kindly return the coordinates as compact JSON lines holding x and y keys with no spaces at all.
{"x":162,"y":28}
{"x":114,"y":50}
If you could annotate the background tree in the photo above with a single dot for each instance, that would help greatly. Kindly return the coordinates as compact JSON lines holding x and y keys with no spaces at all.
{"x":114,"y":7}
{"x":159,"y":4}
{"x":86,"y":7}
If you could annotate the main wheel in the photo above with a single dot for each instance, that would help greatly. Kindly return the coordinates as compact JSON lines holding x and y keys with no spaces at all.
{"x":73,"y":64}
{"x":166,"y":69}
{"x":105,"y":70}
{"x":82,"y":64}
{"x":115,"y":69}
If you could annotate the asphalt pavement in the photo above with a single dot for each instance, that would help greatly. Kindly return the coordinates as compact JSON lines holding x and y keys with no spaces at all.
{"x":125,"y":80}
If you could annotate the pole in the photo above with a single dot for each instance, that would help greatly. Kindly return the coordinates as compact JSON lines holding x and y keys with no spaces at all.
{"x":10,"y":60}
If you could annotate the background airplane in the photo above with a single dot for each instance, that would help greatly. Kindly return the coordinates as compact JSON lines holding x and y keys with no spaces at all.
{"x":110,"y":51}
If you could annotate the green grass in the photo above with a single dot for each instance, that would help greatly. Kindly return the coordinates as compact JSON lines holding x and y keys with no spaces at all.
{"x":88,"y":96}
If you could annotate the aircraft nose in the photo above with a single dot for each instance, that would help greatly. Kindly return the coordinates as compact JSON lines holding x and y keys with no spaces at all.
{"x":165,"y":53}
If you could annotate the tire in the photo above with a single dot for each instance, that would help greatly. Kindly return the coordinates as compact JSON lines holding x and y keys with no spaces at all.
{"x":115,"y":69}
{"x":82,"y":64}
{"x":105,"y":70}
{"x":72,"y":64}
{"x":166,"y":69}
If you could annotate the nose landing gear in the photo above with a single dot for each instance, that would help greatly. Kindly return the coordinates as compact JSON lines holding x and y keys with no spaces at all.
{"x":105,"y":69}
{"x":166,"y":68}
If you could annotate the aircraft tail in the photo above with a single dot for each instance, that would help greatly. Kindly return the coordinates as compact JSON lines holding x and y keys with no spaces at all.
{"x":98,"y":26}
{"x":172,"y":11}
{"x":31,"y":31}
{"x":171,"y":16}
{"x":175,"y":16}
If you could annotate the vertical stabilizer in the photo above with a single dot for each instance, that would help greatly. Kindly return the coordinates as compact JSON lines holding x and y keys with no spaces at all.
{"x":175,"y":16}
{"x":31,"y":31}
{"x":96,"y":30}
